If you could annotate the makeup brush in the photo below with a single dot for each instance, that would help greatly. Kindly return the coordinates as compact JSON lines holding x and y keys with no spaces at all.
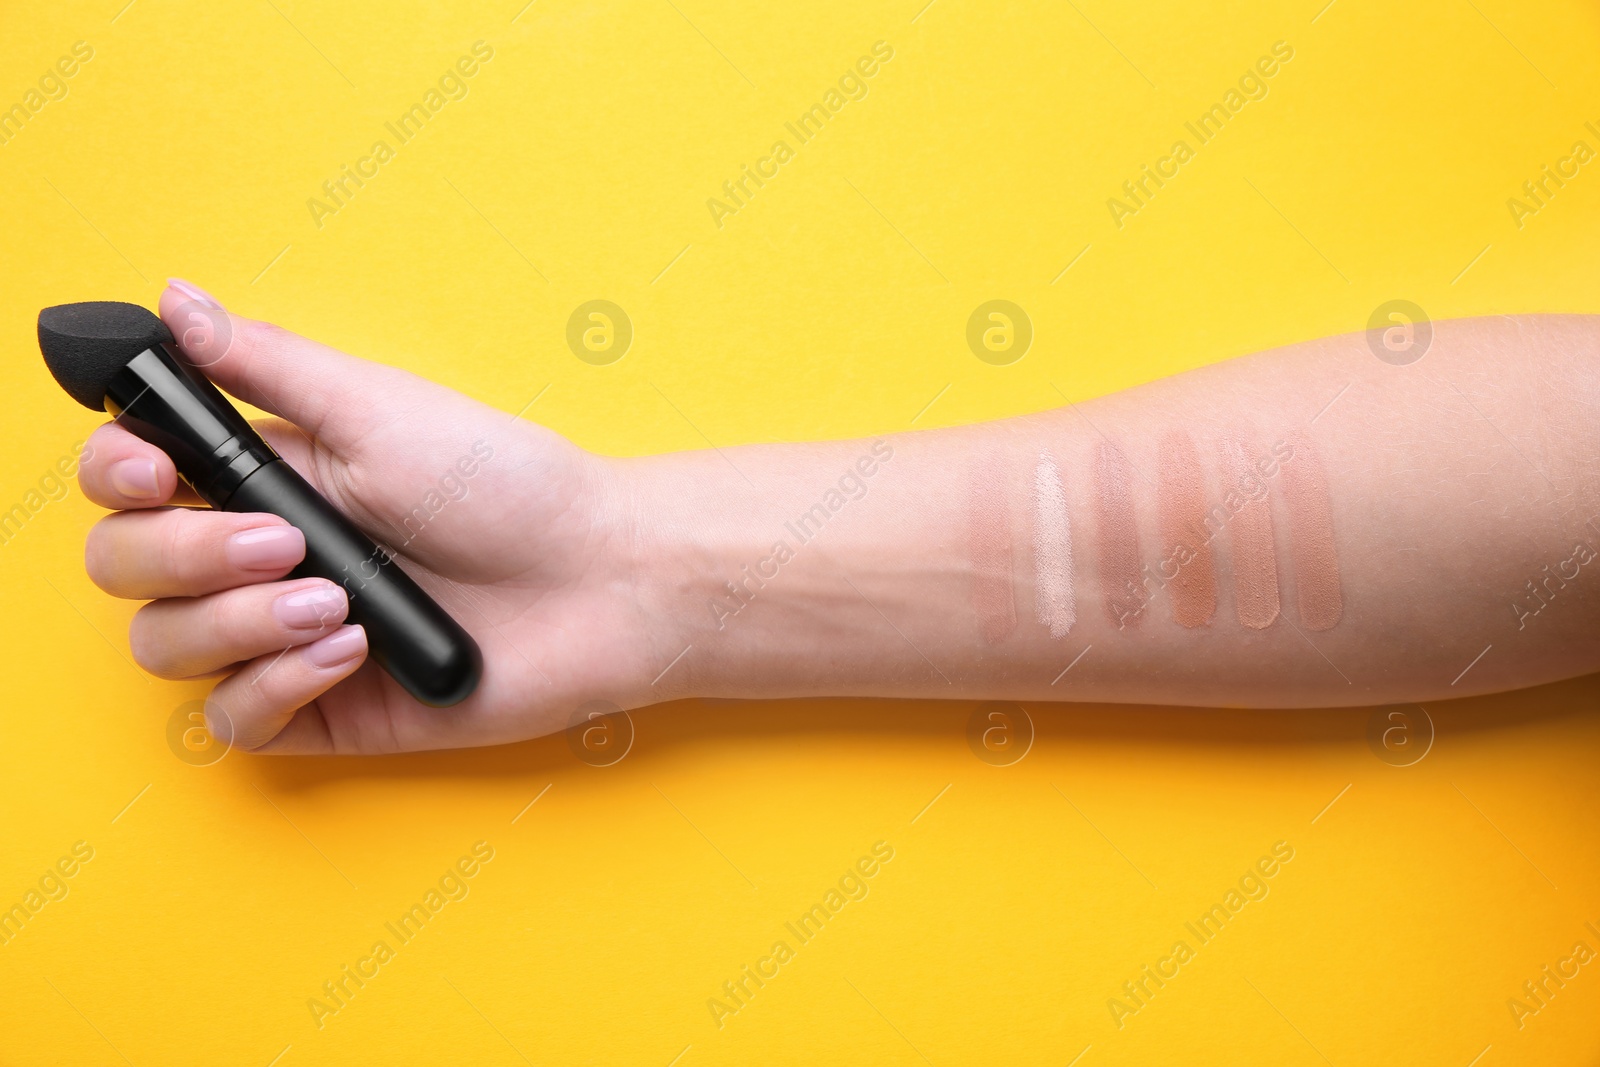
{"x":121,"y":358}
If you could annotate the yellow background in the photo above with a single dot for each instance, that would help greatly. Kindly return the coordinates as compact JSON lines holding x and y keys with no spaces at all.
{"x":835,"y":303}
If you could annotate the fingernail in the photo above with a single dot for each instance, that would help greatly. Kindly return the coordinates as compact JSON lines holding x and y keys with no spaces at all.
{"x":311,"y":609}
{"x":266,"y":548}
{"x":195,"y":293}
{"x":136,"y":478}
{"x":337,"y":649}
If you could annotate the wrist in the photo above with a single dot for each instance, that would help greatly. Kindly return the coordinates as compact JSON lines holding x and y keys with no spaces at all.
{"x":677,"y":531}
{"x":752,"y":566}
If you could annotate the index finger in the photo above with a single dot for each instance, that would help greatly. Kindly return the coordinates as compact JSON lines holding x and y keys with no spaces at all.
{"x":336,"y":398}
{"x":121,"y":472}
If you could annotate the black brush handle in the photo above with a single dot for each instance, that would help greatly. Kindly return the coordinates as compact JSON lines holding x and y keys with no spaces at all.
{"x":409,"y":635}
{"x":168,"y":403}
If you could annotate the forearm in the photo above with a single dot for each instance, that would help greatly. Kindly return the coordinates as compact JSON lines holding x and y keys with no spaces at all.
{"x":1226,"y":536}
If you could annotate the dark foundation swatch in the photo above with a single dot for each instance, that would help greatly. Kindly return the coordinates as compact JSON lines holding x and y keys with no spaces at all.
{"x":1255,"y":551}
{"x":1185,"y":542}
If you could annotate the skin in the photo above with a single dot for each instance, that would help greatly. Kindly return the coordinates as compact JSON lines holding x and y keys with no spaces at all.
{"x":1454,"y":481}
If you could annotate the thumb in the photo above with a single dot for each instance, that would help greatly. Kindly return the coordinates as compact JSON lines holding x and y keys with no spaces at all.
{"x":332,"y":396}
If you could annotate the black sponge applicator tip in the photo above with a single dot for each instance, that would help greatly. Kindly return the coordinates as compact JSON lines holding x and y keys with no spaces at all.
{"x":86,"y":344}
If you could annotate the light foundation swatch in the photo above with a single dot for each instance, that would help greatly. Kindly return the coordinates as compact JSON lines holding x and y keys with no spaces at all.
{"x":1249,"y":508}
{"x":1185,"y":544}
{"x":1255,"y":552}
{"x":989,"y":545}
{"x":1316,"y":561}
{"x":1052,"y":549}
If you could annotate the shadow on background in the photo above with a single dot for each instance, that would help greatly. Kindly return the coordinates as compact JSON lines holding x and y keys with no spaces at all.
{"x":688,"y":723}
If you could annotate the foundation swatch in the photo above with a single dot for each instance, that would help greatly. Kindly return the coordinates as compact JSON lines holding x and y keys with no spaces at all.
{"x":1316,"y":562}
{"x":1118,"y":534}
{"x":1052,"y":549}
{"x":989,"y":544}
{"x":1255,"y":552}
{"x":1185,"y":542}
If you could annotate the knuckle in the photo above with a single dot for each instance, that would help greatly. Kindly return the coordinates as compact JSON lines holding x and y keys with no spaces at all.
{"x":241,"y":708}
{"x":256,"y":334}
{"x":96,"y":447}
{"x":193,"y":547}
{"x":250,"y":340}
{"x":232,"y":626}
{"x":247,"y":336}
{"x":176,"y":546}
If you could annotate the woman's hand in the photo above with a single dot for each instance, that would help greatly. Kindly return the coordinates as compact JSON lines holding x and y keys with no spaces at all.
{"x":909,"y":566}
{"x":514,"y":530}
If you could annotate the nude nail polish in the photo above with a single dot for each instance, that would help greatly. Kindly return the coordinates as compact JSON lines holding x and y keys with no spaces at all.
{"x":266,"y":548}
{"x":337,"y":648}
{"x":195,"y":293}
{"x":136,"y":479}
{"x":311,"y":609}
